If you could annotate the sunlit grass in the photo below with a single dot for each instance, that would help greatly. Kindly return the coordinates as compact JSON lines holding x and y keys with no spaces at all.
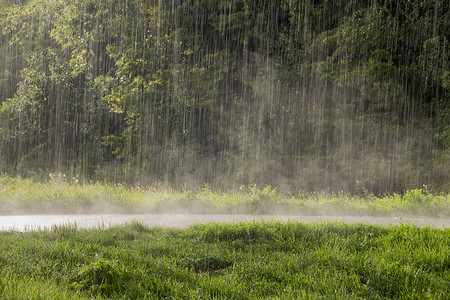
{"x":59,"y":195}
{"x":227,"y":261}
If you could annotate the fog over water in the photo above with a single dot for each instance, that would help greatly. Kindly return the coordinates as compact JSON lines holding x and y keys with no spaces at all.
{"x":42,"y":222}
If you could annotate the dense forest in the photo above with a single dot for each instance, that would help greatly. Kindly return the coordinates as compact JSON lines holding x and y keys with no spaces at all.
{"x":339,"y":95}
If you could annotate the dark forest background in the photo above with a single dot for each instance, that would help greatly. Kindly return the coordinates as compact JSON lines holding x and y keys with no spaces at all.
{"x":296,"y":94}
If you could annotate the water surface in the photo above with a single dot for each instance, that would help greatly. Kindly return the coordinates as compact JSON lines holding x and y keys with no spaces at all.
{"x":36,"y":222}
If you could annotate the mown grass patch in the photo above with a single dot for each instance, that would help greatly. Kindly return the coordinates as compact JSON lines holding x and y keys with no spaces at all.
{"x":227,"y":261}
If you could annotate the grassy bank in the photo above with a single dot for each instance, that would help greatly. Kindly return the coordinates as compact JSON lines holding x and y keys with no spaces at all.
{"x":18,"y":195}
{"x":227,"y":261}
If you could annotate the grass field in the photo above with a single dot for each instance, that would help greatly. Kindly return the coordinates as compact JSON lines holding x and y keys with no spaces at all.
{"x":59,"y":195}
{"x":269,"y":260}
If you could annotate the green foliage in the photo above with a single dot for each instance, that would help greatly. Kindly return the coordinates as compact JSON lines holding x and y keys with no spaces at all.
{"x":299,"y":95}
{"x":100,"y":277}
{"x":68,"y":195}
{"x":243,"y":260}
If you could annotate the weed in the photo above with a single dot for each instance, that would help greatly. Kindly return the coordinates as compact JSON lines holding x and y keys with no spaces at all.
{"x":18,"y":195}
{"x":100,"y":277}
{"x":233,"y":261}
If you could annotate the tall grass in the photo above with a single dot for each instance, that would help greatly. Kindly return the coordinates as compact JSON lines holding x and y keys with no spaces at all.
{"x":60,"y":195}
{"x":227,"y":261}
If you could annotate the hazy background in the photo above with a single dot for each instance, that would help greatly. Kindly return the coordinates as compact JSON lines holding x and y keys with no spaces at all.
{"x":338,"y":95}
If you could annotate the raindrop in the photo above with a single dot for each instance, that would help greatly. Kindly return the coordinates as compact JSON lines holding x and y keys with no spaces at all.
{"x":310,"y":95}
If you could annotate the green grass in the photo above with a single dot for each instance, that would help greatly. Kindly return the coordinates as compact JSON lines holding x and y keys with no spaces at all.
{"x":227,"y":261}
{"x":59,"y":195}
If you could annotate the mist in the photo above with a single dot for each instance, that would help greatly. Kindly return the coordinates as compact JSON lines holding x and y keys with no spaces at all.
{"x":342,"y":96}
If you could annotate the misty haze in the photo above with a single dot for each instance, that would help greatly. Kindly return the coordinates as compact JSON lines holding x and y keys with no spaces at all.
{"x":299,"y":95}
{"x":224,"y":149}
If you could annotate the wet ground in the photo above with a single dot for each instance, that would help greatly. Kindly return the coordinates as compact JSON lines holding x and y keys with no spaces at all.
{"x":36,"y":222}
